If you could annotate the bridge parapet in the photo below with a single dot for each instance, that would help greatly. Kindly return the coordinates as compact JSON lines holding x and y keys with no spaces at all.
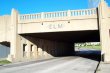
{"x":59,"y":14}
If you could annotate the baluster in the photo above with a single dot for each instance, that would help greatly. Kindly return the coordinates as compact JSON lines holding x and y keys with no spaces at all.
{"x":59,"y":14}
{"x":62,"y":14}
{"x":81,"y":12}
{"x":71,"y":13}
{"x":94,"y":11}
{"x":32,"y":16}
{"x":40,"y":16}
{"x":46,"y":15}
{"x":91,"y":12}
{"x":25,"y":17}
{"x":55,"y":14}
{"x":74,"y":13}
{"x":66,"y":13}
{"x":50,"y":15}
{"x":77,"y":13}
{"x":22,"y":17}
{"x":85,"y":12}
{"x":35,"y":16}
{"x":29,"y":16}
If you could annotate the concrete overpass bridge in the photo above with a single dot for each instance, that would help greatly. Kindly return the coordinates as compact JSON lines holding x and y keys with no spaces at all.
{"x":50,"y":34}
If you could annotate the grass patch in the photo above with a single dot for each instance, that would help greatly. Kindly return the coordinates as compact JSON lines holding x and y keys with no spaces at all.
{"x":98,"y":47}
{"x":4,"y":62}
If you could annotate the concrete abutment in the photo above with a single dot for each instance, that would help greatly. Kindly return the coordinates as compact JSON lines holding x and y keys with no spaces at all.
{"x":104,"y":27}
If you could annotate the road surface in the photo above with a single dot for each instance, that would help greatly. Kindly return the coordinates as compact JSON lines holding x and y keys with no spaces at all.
{"x":70,"y":64}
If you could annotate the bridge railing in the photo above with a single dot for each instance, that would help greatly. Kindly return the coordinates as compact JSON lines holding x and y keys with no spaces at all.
{"x":83,"y":12}
{"x":55,"y":14}
{"x":59,"y":14}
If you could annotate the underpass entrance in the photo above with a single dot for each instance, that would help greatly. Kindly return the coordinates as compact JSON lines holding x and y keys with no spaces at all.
{"x":56,"y":44}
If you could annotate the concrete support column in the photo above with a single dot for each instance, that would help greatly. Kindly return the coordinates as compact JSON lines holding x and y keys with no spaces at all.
{"x":39,"y":52}
{"x":34,"y":50}
{"x":28,"y":50}
{"x":21,"y":49}
{"x":15,"y":49}
{"x":45,"y":54}
{"x":103,"y":12}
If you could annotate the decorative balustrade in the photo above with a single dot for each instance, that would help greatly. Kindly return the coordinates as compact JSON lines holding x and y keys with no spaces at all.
{"x":69,"y":13}
{"x":30,"y":16}
{"x":55,"y":14}
{"x":83,"y":12}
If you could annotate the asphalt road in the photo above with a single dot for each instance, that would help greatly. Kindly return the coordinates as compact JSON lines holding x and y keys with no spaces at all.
{"x":70,"y":64}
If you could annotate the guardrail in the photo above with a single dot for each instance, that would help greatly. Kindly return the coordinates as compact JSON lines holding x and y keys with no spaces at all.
{"x":59,"y":14}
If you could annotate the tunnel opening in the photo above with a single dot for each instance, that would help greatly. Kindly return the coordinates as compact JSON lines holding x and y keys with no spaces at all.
{"x":4,"y":50}
{"x":90,"y":50}
{"x":60,"y":44}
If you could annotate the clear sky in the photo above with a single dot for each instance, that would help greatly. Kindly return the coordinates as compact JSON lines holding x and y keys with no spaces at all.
{"x":35,"y":6}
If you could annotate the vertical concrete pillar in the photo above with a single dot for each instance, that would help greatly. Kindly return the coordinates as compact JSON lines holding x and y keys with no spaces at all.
{"x":21,"y":48}
{"x":39,"y":52}
{"x":15,"y":49}
{"x":34,"y":50}
{"x":103,"y":12}
{"x":28,"y":50}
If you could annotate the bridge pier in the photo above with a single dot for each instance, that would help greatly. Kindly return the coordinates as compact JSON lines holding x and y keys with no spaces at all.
{"x":16,"y":52}
{"x":104,"y":27}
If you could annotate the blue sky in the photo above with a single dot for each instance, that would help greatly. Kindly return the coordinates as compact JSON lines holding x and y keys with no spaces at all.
{"x":35,"y":6}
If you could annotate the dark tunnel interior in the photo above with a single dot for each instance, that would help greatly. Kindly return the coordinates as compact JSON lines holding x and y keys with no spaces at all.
{"x":71,"y":37}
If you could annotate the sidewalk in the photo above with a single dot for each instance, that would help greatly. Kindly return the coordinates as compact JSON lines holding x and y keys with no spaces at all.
{"x":103,"y":68}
